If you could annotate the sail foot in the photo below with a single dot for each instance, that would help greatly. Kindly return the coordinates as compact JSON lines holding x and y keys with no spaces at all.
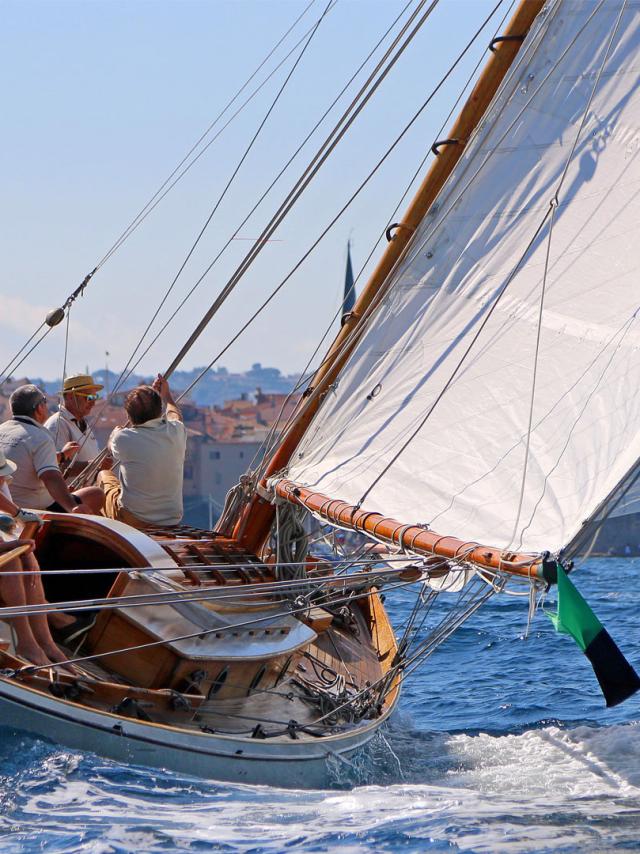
{"x":412,"y":537}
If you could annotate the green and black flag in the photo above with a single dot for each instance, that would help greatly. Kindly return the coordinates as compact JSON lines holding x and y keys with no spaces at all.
{"x":616,"y":676}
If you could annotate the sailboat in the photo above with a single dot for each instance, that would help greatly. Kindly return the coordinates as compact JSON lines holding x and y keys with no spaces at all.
{"x":475,"y":417}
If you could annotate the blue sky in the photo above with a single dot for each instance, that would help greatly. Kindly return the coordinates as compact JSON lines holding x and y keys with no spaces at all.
{"x":103,"y":98}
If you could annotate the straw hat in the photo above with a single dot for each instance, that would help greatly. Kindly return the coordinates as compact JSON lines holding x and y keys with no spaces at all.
{"x":80,"y":382}
{"x":7,"y":468}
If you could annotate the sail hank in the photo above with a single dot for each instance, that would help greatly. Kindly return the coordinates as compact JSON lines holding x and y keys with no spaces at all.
{"x":414,"y":539}
{"x":433,"y":417}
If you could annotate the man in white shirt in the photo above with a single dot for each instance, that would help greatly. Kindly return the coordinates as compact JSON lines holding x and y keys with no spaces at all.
{"x":148,"y":457}
{"x":38,"y":483}
{"x":70,"y":424}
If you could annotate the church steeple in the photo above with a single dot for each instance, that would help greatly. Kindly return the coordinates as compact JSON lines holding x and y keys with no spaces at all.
{"x":349,"y":297}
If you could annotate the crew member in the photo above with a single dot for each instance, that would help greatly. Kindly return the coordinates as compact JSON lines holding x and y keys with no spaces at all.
{"x":38,"y":483}
{"x":20,"y":581}
{"x":145,"y":486}
{"x":70,"y":424}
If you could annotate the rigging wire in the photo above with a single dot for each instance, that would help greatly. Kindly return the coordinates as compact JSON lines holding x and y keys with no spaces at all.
{"x":350,"y":561}
{"x":204,"y":632}
{"x":257,"y":592}
{"x":128,"y":369}
{"x":294,"y":194}
{"x":412,"y":663}
{"x":468,"y":603}
{"x":509,"y":279}
{"x":620,"y":333}
{"x":154,"y":200}
{"x":349,"y":116}
{"x":390,"y":675}
{"x":554,"y":205}
{"x":13,"y":367}
{"x":227,"y":186}
{"x":265,"y":450}
{"x":570,"y":546}
{"x":466,"y":607}
{"x":64,"y":372}
{"x":330,"y":225}
{"x":8,"y":369}
{"x":543,"y":290}
{"x":282,"y":171}
{"x":224,"y":127}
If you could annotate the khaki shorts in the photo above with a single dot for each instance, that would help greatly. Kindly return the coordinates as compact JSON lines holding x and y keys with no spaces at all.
{"x":113,"y":509}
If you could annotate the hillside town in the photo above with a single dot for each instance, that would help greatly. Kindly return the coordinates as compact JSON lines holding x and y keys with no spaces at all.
{"x":225,"y":438}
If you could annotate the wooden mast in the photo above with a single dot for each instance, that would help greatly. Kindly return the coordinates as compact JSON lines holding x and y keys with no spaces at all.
{"x":255,"y":522}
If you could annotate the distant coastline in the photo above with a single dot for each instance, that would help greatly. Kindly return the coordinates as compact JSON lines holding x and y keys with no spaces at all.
{"x":216,"y":387}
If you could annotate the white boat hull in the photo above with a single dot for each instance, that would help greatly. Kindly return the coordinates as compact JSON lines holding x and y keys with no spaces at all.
{"x":281,"y":761}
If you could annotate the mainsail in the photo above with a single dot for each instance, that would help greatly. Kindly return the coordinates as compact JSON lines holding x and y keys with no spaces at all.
{"x":492,"y":394}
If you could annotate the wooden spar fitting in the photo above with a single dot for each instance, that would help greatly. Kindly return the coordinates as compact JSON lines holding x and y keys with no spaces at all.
{"x":411,"y":537}
{"x":254,"y":524}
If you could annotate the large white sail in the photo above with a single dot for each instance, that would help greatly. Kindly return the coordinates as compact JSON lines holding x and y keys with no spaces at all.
{"x":461,"y":468}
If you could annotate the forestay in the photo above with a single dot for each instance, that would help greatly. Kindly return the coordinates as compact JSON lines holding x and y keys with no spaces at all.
{"x":463,"y":470}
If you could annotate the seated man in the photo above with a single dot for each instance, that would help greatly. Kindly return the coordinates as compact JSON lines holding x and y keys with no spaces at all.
{"x":21,"y":584}
{"x":69,"y":423}
{"x":148,"y":457}
{"x":38,"y":483}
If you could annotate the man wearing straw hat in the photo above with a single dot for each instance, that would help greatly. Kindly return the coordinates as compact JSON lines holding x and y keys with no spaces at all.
{"x":69,"y":423}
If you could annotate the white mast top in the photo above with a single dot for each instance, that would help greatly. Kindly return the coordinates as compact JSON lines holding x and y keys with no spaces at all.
{"x":461,"y":467}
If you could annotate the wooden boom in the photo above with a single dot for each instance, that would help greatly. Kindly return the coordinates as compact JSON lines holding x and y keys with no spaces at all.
{"x":411,"y":537}
{"x":255,"y":522}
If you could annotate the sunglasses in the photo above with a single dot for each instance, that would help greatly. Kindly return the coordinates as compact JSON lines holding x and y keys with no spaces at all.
{"x":87,"y":396}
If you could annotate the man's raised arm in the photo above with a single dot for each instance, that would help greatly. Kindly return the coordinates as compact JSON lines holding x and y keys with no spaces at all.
{"x":172,"y":408}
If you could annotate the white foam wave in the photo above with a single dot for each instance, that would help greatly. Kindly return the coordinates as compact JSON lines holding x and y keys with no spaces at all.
{"x":547,"y":789}
{"x":572,"y":763}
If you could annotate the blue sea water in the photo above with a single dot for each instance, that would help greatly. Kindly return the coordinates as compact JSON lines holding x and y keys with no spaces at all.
{"x":500,"y":744}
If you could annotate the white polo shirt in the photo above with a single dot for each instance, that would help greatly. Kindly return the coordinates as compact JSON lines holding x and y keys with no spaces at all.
{"x":151,"y":466}
{"x":30,"y":446}
{"x":64,"y":428}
